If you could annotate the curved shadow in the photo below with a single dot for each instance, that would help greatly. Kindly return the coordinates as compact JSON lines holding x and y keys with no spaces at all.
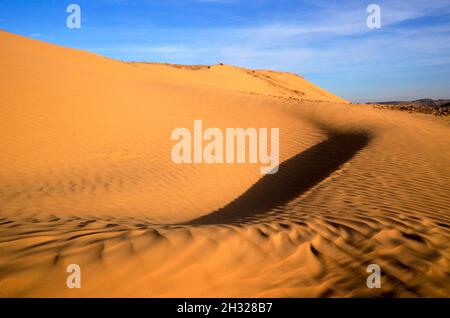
{"x":294,"y":177}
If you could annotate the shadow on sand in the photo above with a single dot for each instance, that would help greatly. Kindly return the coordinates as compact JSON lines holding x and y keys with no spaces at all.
{"x":294,"y":177}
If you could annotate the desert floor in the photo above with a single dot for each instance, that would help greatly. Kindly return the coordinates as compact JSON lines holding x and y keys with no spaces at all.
{"x":86,"y":178}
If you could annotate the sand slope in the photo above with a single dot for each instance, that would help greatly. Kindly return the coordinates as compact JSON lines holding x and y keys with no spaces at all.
{"x":86,"y":177}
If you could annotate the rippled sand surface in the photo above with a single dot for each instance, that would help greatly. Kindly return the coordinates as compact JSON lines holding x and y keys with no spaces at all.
{"x":86,"y":177}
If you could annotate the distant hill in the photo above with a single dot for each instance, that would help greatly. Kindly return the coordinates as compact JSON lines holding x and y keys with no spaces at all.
{"x":418,"y":102}
{"x":438,"y":107}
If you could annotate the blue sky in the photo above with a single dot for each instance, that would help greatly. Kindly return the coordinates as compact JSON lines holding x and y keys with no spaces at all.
{"x":327,"y":42}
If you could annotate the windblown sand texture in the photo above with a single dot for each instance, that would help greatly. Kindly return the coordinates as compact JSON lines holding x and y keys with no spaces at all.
{"x":86,"y":177}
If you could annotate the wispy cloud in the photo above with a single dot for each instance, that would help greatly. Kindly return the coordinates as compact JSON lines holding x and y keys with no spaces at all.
{"x":327,"y":41}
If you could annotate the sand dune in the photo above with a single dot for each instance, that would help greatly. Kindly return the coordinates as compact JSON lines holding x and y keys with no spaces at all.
{"x":86,"y":177}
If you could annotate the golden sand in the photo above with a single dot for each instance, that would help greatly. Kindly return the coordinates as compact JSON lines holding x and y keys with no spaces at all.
{"x":86,"y":178}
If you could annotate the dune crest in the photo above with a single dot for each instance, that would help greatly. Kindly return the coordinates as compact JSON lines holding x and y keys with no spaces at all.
{"x":86,"y":177}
